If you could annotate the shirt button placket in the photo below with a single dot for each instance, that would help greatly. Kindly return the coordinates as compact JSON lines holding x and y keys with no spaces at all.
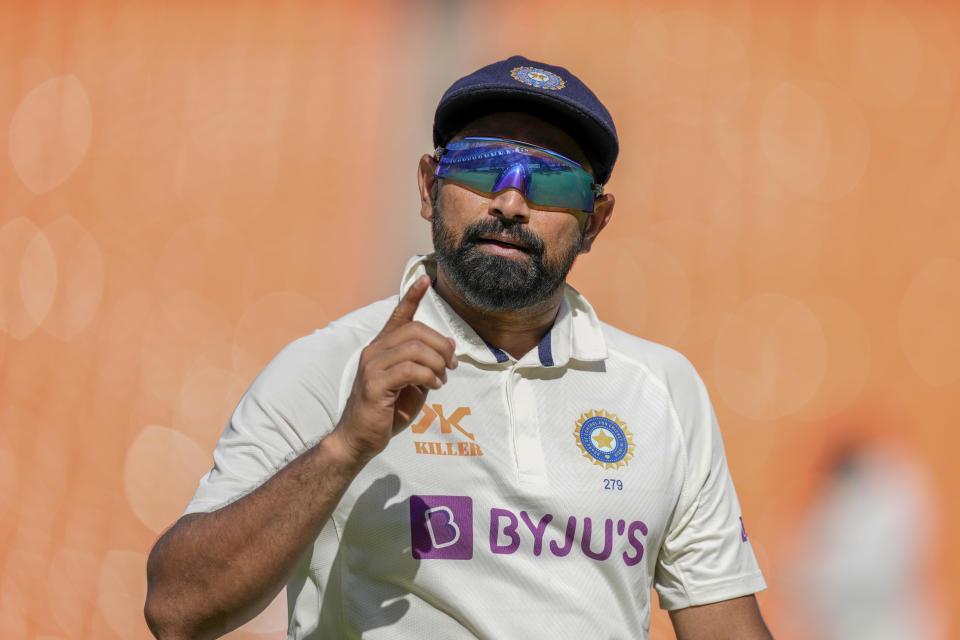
{"x":525,"y":421}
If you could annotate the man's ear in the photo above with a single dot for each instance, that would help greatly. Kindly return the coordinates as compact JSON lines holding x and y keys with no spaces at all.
{"x":602,"y":212}
{"x":427,"y":183}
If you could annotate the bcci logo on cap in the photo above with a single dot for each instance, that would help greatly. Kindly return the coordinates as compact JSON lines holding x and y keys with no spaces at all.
{"x":540,"y":78}
{"x":441,"y":527}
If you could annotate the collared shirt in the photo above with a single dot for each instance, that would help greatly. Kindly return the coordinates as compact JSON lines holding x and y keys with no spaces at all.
{"x":535,"y":497}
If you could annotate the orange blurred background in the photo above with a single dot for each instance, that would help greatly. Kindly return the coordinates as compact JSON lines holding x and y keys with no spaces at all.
{"x":187,"y":187}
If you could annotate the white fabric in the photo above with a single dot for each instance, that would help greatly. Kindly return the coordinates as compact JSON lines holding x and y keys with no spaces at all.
{"x":496,"y":472}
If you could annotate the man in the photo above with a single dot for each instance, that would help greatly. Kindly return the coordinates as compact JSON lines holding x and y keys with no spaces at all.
{"x":482,"y":457}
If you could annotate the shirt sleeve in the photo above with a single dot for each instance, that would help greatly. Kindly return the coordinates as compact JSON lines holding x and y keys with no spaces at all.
{"x":706,"y":555}
{"x":291,"y":405}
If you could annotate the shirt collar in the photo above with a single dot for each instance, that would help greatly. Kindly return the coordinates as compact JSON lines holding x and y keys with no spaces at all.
{"x":576,"y":333}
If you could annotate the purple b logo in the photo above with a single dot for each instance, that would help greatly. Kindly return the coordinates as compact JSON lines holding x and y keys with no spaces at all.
{"x":441,"y":527}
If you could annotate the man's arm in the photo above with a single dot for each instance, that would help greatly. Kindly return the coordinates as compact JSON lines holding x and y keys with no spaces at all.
{"x":736,"y":619}
{"x":211,"y":572}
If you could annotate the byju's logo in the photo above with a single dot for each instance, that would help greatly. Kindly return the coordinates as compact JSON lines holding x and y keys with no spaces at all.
{"x":441,"y":527}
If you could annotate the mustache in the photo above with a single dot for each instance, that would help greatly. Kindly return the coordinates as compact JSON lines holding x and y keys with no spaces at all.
{"x":517,"y":232}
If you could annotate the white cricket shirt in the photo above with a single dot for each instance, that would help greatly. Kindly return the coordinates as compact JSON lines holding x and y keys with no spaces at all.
{"x":540,"y":497}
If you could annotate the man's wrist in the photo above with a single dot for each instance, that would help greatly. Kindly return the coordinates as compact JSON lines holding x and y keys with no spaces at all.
{"x":343,"y":454}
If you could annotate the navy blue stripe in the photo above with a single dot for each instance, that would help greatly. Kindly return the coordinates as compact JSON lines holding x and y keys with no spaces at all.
{"x":497,"y":353}
{"x":544,"y":351}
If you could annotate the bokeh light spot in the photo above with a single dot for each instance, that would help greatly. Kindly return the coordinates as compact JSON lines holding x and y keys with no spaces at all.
{"x":38,"y":277}
{"x":206,"y":255}
{"x":693,"y":38}
{"x":274,"y":321}
{"x":50,"y":133}
{"x":706,"y":255}
{"x":230,"y":162}
{"x":795,"y":137}
{"x":9,"y":481}
{"x":187,"y":324}
{"x":814,"y":138}
{"x":849,"y":359}
{"x":161,"y":474}
{"x":203,"y":418}
{"x":873,"y":48}
{"x":80,"y":281}
{"x":206,"y":400}
{"x":13,"y":623}
{"x":656,"y":291}
{"x":28,"y":277}
{"x":801,"y":137}
{"x":770,"y":357}
{"x":15,"y":580}
{"x":190,"y":313}
{"x":44,"y":453}
{"x":737,"y":141}
{"x":71,"y":588}
{"x":122,"y":590}
{"x":118,"y":354}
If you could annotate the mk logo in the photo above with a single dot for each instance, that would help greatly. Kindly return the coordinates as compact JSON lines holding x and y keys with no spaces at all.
{"x":432,"y":412}
{"x":447,"y":446}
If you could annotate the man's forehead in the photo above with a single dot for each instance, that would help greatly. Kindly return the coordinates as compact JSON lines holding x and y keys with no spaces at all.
{"x":525,"y":128}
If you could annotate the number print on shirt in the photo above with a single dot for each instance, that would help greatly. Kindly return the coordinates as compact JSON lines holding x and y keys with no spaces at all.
{"x":612,"y":484}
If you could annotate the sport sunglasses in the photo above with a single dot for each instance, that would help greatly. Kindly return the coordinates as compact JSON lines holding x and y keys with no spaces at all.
{"x":489,"y":166}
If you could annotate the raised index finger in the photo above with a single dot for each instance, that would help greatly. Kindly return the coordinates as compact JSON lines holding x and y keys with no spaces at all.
{"x":408,"y":305}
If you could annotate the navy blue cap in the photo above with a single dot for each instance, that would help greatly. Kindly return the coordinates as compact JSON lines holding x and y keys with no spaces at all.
{"x":542,"y":90}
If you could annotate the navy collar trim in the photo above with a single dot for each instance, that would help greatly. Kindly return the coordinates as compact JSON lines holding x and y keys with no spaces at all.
{"x":500,"y":355}
{"x":544,"y":350}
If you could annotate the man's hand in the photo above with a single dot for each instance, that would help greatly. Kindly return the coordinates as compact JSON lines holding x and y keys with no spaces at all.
{"x":212,"y":571}
{"x":395,"y":372}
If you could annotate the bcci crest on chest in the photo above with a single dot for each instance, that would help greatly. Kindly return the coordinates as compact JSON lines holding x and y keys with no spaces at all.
{"x":604,"y":439}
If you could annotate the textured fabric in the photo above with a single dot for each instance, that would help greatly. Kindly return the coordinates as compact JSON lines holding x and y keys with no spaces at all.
{"x":539,"y":497}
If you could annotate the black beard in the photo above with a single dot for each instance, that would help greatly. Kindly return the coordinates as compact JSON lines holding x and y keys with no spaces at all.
{"x":496,"y":283}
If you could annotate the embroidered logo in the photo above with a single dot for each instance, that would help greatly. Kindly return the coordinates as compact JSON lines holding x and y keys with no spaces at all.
{"x":447,"y":446}
{"x":604,"y":439}
{"x":540,"y":78}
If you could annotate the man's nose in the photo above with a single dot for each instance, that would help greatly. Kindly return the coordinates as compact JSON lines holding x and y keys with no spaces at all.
{"x":511,"y":204}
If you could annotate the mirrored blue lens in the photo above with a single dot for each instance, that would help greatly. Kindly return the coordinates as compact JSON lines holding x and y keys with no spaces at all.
{"x":490,"y":165}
